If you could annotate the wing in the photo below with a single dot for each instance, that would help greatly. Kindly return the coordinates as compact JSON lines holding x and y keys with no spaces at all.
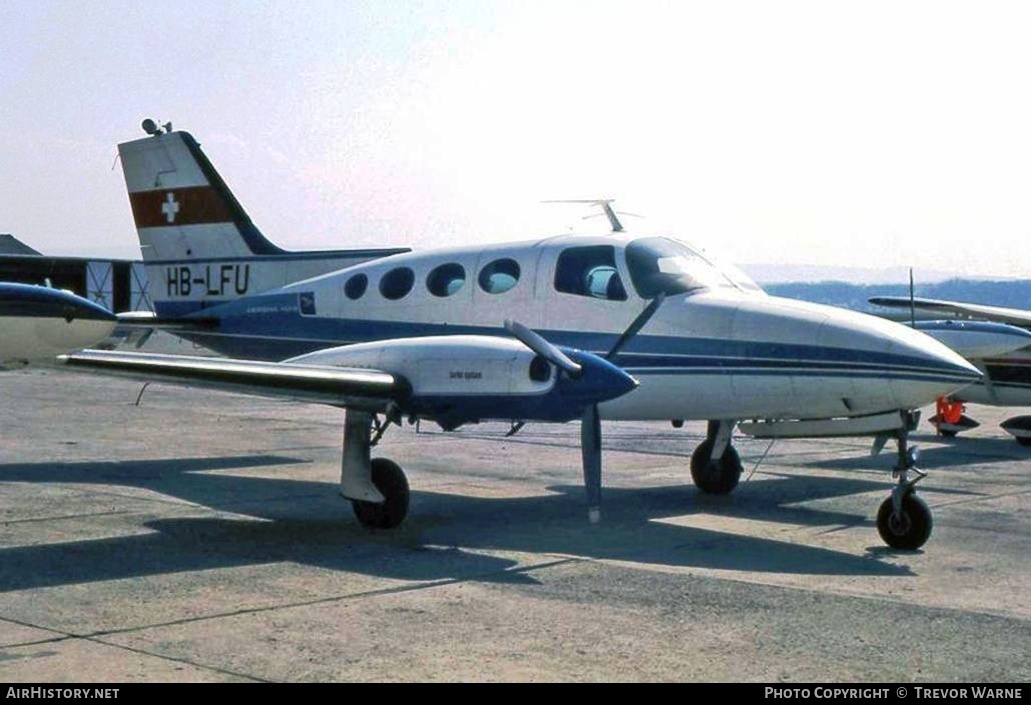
{"x":354,"y":388}
{"x":1014,"y":316}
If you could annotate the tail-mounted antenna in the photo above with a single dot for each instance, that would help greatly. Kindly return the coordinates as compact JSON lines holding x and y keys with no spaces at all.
{"x":153,"y":129}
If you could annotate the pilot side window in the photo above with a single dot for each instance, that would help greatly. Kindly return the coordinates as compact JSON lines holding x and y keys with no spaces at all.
{"x":445,"y":279}
{"x":590,"y":271}
{"x":499,"y":276}
{"x":355,"y":287}
{"x":396,"y":283}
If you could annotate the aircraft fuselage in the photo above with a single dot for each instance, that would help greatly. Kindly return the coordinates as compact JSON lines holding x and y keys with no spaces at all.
{"x":717,"y":348}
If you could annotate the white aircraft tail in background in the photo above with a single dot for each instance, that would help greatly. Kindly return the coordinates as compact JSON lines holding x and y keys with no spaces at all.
{"x":996,"y":340}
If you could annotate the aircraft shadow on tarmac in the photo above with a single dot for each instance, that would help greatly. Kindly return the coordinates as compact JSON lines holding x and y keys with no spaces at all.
{"x":947,"y":452}
{"x":447,"y":536}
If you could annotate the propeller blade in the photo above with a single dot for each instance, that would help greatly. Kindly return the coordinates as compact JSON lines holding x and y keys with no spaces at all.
{"x":590,"y":449}
{"x":543,"y":348}
{"x":634,"y":328}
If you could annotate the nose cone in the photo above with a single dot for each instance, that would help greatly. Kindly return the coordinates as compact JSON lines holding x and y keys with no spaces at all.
{"x":931,"y":368}
{"x":808,"y":361}
{"x":892,"y":365}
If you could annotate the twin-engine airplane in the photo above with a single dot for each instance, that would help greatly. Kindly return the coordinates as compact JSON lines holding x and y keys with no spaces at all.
{"x":1006,"y":367}
{"x":39,"y":323}
{"x":627,"y":327}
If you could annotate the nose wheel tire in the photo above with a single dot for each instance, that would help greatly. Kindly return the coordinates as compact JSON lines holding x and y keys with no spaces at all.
{"x":715,"y":476}
{"x":390,"y":480}
{"x":910,"y":528}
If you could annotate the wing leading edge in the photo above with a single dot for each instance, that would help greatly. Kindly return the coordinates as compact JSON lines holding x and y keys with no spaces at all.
{"x":353,"y":388}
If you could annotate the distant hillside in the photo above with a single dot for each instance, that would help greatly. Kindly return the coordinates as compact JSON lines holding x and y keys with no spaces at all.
{"x":1012,"y":293}
{"x":790,"y":273}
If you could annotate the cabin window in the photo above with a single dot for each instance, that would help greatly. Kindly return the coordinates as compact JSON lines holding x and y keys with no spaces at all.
{"x":355,"y":287}
{"x":396,"y":283}
{"x":590,"y":271}
{"x":446,"y":279}
{"x":499,"y":276}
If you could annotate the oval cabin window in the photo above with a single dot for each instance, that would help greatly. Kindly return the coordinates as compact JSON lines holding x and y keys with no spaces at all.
{"x":356,"y":286}
{"x":499,"y":276}
{"x":396,"y":283}
{"x":446,"y":279}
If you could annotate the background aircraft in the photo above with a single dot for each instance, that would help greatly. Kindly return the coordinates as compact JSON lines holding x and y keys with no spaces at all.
{"x":1005,"y":362}
{"x":631,"y":327}
{"x":38,"y":324}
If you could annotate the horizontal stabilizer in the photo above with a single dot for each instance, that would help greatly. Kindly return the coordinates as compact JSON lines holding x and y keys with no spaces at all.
{"x":151,"y":321}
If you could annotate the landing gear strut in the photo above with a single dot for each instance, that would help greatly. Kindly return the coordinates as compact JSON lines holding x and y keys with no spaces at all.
{"x":904,"y":520}
{"x":377,"y":488}
{"x":715,"y":464}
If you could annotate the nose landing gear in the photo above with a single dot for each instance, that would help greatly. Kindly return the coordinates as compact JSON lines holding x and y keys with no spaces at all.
{"x":904,"y":520}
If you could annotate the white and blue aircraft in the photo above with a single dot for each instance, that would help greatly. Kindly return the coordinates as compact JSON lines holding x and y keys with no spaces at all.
{"x":39,"y":323}
{"x":628,"y":327}
{"x":1005,"y":358}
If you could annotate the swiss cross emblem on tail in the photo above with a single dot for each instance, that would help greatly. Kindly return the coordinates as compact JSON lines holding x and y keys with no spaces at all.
{"x":170,"y":207}
{"x":183,"y":205}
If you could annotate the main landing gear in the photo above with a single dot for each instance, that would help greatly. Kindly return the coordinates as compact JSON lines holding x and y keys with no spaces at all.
{"x":904,"y":520}
{"x":715,"y":464}
{"x":377,"y":488}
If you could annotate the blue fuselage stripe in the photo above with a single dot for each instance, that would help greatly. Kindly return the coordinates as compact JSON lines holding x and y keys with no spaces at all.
{"x":272,"y":328}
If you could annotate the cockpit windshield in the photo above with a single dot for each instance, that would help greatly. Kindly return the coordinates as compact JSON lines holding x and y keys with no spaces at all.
{"x":661,"y":265}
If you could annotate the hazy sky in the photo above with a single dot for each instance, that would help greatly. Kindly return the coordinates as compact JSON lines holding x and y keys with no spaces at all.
{"x":832,"y":133}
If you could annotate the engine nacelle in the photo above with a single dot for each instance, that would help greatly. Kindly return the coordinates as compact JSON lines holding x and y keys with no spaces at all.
{"x":452,"y":366}
{"x":461,"y":379}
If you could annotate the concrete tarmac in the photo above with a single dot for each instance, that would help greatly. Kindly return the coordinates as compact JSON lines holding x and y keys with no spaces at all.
{"x":200,"y":537}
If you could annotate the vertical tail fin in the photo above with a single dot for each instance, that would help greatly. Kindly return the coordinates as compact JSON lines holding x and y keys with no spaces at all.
{"x":199,"y":245}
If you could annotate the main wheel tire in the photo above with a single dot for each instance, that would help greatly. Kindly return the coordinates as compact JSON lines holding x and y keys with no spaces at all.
{"x":948,"y":434}
{"x":390,"y":480}
{"x":1024,"y":440}
{"x":911,"y":528}
{"x":715,"y":476}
